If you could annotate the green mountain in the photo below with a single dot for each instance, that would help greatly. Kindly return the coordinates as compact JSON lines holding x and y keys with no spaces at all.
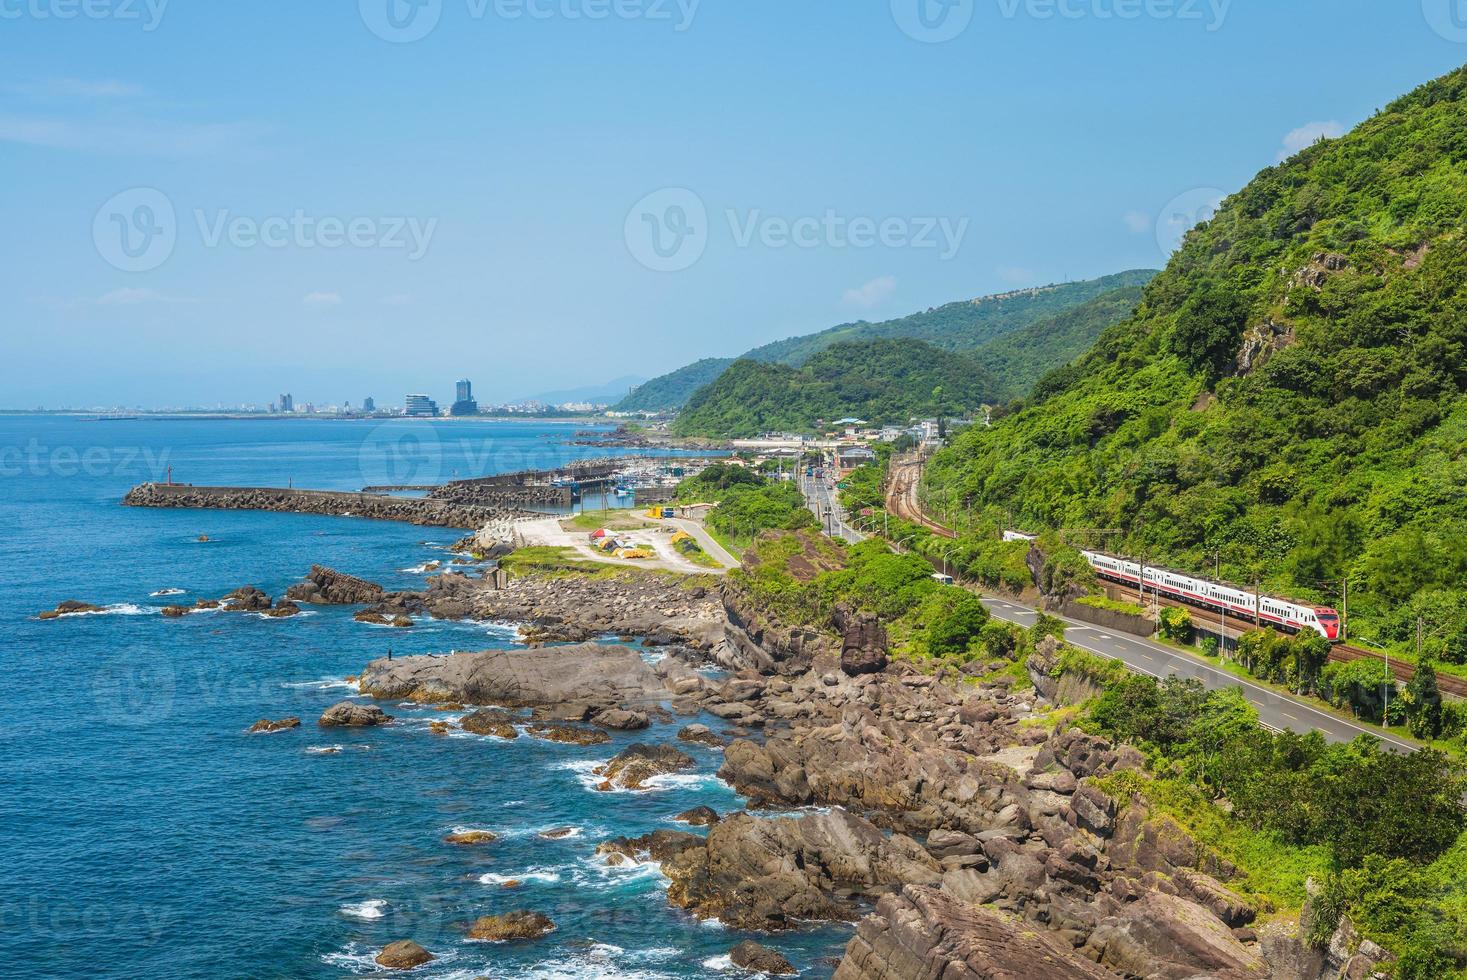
{"x":1288,"y":398}
{"x":1021,"y":357}
{"x":882,"y":380}
{"x":671,"y":391}
{"x":961,"y":326}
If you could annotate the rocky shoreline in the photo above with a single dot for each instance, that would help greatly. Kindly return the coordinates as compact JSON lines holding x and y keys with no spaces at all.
{"x":970,"y":830}
{"x":966,"y":834}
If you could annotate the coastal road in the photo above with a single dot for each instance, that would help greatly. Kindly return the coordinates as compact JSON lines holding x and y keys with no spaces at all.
{"x":1274,"y":710}
{"x":704,"y":539}
{"x":822,"y":498}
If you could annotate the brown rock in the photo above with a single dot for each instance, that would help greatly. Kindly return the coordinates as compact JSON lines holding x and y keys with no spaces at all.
{"x":470,"y":838}
{"x":698,"y":816}
{"x":349,"y":714}
{"x":568,"y":734}
{"x":490,"y":721}
{"x":633,"y":766}
{"x":175,"y":612}
{"x":749,"y":955}
{"x":403,"y":955}
{"x":265,"y":725}
{"x":511,"y":926}
{"x":622,"y":720}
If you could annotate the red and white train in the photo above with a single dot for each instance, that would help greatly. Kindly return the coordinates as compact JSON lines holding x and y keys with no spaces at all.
{"x":1288,"y":616}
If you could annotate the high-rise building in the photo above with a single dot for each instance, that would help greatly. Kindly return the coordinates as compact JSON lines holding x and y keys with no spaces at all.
{"x":420,"y":407}
{"x":287,"y":404}
{"x":369,"y":405}
{"x":463,"y":401}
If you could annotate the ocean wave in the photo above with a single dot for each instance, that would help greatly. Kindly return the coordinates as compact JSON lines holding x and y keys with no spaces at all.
{"x":547,"y":875}
{"x":370,"y":909}
{"x":324,"y":749}
{"x":724,"y":962}
{"x":361,"y":958}
{"x":585,"y":773}
{"x":116,"y":609}
{"x":602,"y":961}
{"x":163,"y":592}
{"x":324,"y":684}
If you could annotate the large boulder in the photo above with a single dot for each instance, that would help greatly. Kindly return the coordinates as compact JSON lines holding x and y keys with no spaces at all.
{"x":751,"y":956}
{"x":921,"y":932}
{"x":1165,"y":937}
{"x":623,"y":720}
{"x":403,"y":955}
{"x":863,"y":642}
{"x":326,"y":586}
{"x":349,"y":714}
{"x":246,"y":599}
{"x":770,"y":874}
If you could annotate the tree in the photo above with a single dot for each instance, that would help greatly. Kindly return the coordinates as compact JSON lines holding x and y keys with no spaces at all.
{"x":1424,"y":714}
{"x":1209,"y":329}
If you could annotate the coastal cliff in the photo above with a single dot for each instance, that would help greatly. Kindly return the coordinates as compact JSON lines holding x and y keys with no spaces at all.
{"x":412,"y":510}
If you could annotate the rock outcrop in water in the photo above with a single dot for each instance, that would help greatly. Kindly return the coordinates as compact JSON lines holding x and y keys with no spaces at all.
{"x":604,"y":675}
{"x":403,"y":955}
{"x":327,"y":586}
{"x":511,"y":926}
{"x":349,"y":714}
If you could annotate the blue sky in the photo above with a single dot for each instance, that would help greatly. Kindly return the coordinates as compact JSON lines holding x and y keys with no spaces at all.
{"x":357,"y":212}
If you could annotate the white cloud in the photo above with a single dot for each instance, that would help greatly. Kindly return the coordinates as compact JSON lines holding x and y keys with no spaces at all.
{"x":874,"y":292}
{"x":1309,"y":134}
{"x":74,"y":88}
{"x":141,"y":138}
{"x":134,"y":296}
{"x":320,"y":300}
{"x":1137,"y":221}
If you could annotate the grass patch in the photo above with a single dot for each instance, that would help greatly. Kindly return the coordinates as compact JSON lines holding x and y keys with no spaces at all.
{"x":1271,"y":872}
{"x":547,"y":562}
{"x":612,"y":520}
{"x":1112,"y":605}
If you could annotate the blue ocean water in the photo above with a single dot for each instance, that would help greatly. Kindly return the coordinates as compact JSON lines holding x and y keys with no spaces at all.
{"x":144,"y":834}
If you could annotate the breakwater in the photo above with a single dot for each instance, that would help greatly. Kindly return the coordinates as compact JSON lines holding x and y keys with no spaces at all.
{"x":412,"y":510}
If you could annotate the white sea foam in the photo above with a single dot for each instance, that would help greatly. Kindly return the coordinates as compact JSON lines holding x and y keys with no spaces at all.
{"x":324,"y":749}
{"x":370,"y":909}
{"x":324,"y":684}
{"x":724,"y":962}
{"x":163,"y":592}
{"x":547,"y":875}
{"x":117,"y":609}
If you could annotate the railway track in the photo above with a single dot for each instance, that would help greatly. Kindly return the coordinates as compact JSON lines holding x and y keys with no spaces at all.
{"x":901,"y":500}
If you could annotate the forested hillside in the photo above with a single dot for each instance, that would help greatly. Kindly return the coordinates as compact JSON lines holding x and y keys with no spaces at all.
{"x":672,"y":391}
{"x":876,"y":380}
{"x":1289,"y":395}
{"x":1021,"y":357}
{"x":962,"y":326}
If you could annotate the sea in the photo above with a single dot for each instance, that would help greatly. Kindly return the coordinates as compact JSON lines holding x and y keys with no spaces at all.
{"x":143,"y":833}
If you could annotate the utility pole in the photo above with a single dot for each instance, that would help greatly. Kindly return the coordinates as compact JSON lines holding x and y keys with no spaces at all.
{"x":1224,"y":638}
{"x":1345,"y":609}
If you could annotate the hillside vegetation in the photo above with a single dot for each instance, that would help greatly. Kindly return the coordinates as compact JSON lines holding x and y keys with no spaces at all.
{"x":1289,"y":395}
{"x":876,"y":380}
{"x":672,"y":391}
{"x":1021,"y":357}
{"x":961,"y":326}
